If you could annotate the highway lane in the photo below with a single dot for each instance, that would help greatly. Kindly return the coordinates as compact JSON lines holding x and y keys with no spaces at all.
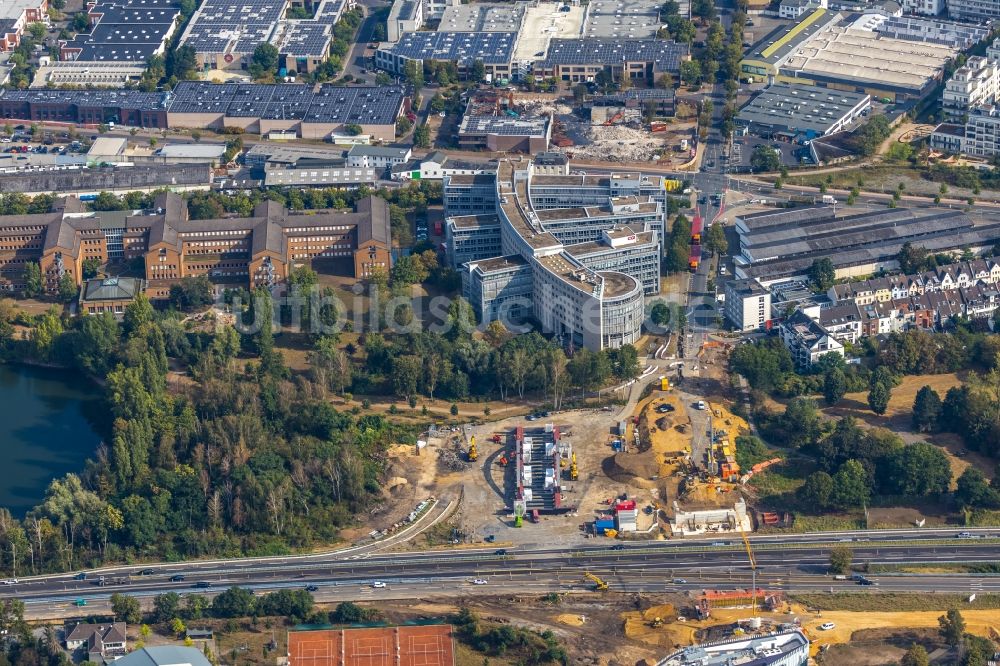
{"x":709,"y":566}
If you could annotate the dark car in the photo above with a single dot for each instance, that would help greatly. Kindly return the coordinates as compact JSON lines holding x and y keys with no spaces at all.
{"x":500,"y":551}
{"x":490,"y":539}
{"x":80,"y":576}
{"x":618,"y":547}
{"x":147,"y":572}
{"x":311,"y":588}
{"x":176,"y":578}
{"x":203,"y":584}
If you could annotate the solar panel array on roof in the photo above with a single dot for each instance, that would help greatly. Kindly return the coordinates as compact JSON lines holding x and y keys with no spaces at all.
{"x":123,"y":99}
{"x":124,"y":31}
{"x":222,"y":26}
{"x":462,"y":47}
{"x":367,"y":105}
{"x":664,"y":54}
{"x":305,"y":39}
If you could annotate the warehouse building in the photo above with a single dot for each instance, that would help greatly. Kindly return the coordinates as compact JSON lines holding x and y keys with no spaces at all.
{"x":311,"y":113}
{"x":582,"y":59}
{"x":622,"y":19}
{"x":124,"y":31}
{"x":824,"y":48}
{"x":783,"y":108}
{"x":248,"y":252}
{"x":482,"y":17}
{"x":224,"y":33}
{"x":88,"y":74}
{"x":505,"y":133}
{"x":308,"y":166}
{"x":781,"y":245}
{"x":493,"y":49}
{"x":86,"y":107}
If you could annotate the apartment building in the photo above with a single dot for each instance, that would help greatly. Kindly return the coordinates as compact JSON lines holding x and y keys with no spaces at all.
{"x":976,"y":83}
{"x":973,"y":10}
{"x":807,"y":341}
{"x":748,"y":305}
{"x":249,"y":252}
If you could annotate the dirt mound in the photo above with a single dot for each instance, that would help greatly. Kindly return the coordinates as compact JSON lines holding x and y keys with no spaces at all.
{"x":671,"y":634}
{"x":636,"y":469}
{"x":570,"y":619}
{"x":395,"y":483}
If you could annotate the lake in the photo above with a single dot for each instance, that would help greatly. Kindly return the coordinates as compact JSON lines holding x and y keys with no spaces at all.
{"x":47,"y":428}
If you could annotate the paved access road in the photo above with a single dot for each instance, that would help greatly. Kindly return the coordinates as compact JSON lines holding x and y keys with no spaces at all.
{"x":790,"y":562}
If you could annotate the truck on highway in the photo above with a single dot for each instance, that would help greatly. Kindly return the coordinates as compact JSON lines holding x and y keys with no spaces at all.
{"x":829,"y":199}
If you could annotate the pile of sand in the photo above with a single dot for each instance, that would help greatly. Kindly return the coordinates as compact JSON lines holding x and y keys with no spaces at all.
{"x":570,"y":619}
{"x":671,"y":634}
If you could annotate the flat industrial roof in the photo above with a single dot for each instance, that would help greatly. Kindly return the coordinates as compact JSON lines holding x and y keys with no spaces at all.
{"x":233,"y":26}
{"x":786,"y":39}
{"x":474,"y":221}
{"x":633,"y":19}
{"x":862,"y":57}
{"x":365,"y":105}
{"x":482,"y":17}
{"x":664,"y":54}
{"x":304,"y":39}
{"x":492,"y":48}
{"x":504,"y":126}
{"x":800,"y":108}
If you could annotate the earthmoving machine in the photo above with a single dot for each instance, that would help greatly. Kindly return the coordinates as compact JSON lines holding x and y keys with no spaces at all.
{"x":656,"y":622}
{"x":615,"y":118}
{"x":496,"y":438}
{"x":599,"y":585}
{"x":473,"y":454}
{"x":574,"y":471}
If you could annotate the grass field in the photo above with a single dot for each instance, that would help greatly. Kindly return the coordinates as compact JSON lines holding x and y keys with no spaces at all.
{"x":901,"y":403}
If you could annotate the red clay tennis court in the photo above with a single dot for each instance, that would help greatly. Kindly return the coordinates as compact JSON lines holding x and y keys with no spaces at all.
{"x":382,"y":646}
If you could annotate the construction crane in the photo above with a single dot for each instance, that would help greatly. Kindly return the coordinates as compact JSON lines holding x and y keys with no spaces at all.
{"x":599,"y":585}
{"x":753,"y":570}
{"x":574,"y":471}
{"x":473,"y":454}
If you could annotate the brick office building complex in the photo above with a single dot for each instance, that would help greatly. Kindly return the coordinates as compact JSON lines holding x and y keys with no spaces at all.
{"x":254,"y":251}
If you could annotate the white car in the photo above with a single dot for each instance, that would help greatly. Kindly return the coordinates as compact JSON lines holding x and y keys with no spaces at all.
{"x":479,"y":581}
{"x":10,"y":581}
{"x":378,"y":584}
{"x":827,"y":626}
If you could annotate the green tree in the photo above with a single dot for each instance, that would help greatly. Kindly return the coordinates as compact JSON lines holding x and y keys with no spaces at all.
{"x":659,"y":314}
{"x":822,"y":273}
{"x":973,"y":490}
{"x":880,"y":390}
{"x":916,"y":470}
{"x":851,"y":487}
{"x":184,"y":64}
{"x":691,"y":72}
{"x":234,"y":602}
{"x":841,"y":558}
{"x":915,"y":656}
{"x":422,"y":136}
{"x":715,"y":241}
{"x":413,"y":72}
{"x":264,"y":61}
{"x":166,"y":606}
{"x":926,"y":409}
{"x":952,"y":627}
{"x":834,"y":386}
{"x":816,"y":490}
{"x":91,"y":266}
{"x":126,"y":608}
{"x":33,"y":286}
{"x":67,"y":287}
{"x":478,"y":72}
{"x":764,"y":159}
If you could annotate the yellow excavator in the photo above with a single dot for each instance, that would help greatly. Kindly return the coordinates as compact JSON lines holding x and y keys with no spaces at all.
{"x":574,"y":471}
{"x":599,"y":585}
{"x":473,"y":454}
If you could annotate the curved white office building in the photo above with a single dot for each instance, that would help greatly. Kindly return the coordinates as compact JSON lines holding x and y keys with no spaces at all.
{"x":538,"y":274}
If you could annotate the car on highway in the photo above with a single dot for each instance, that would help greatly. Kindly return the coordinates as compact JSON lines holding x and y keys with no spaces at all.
{"x":500,"y":551}
{"x":80,"y":576}
{"x":617,"y":546}
{"x":10,"y":581}
{"x":176,"y":578}
{"x":147,"y":572}
{"x":827,"y":626}
{"x":479,"y":581}
{"x":378,"y":584}
{"x":202,"y":584}
{"x":80,"y":602}
{"x":966,"y":535}
{"x":680,"y":581}
{"x":311,"y":588}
